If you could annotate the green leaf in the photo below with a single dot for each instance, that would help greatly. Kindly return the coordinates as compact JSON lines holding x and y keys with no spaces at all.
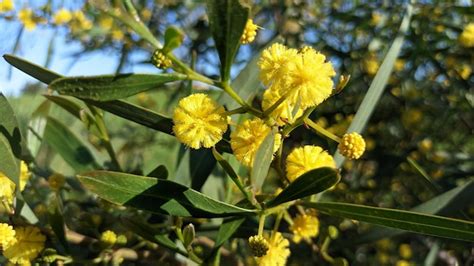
{"x":69,"y":146}
{"x":111,"y":87}
{"x":56,"y":220}
{"x":38,"y":72}
{"x":445,"y":204}
{"x":149,"y":233}
{"x":227,"y":168}
{"x":262,"y":161}
{"x":310,"y":183}
{"x":8,"y":163}
{"x":136,"y":114}
{"x":36,"y":126}
{"x":159,"y":172}
{"x":174,"y":37}
{"x":405,"y":220}
{"x":156,"y":195}
{"x":201,"y":164}
{"x":227,"y":19}
{"x":226,"y":230}
{"x":10,"y":141}
{"x":377,"y":86}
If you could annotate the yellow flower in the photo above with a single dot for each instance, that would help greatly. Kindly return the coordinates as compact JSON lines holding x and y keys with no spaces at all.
{"x":403,"y":263}
{"x":106,"y":22}
{"x":399,"y":65}
{"x":304,"y":227}
{"x":26,"y":17}
{"x":80,"y":21}
{"x":277,"y":253}
{"x":160,"y":60}
{"x":405,"y":251}
{"x":258,"y":245}
{"x":370,"y":65}
{"x":108,"y":237}
{"x":465,"y":71}
{"x":466,"y":38}
{"x":29,"y":243}
{"x":249,"y":33}
{"x":284,"y":112}
{"x":352,"y":146}
{"x":7,"y":187}
{"x":61,"y":17}
{"x":146,"y":14}
{"x":117,"y":34}
{"x":7,"y":236}
{"x":375,"y":19}
{"x":306,"y":158}
{"x":247,"y":138}
{"x":272,"y":61}
{"x":308,"y":79}
{"x":199,"y":121}
{"x":6,"y":5}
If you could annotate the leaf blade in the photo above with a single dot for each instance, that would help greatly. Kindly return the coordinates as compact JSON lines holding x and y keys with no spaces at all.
{"x":405,"y":220}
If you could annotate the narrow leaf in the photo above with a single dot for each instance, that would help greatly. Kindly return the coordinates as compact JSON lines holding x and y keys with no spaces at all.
{"x":156,"y":195}
{"x":38,"y":72}
{"x":309,"y":183}
{"x":111,"y":87}
{"x":69,"y":146}
{"x":36,"y":127}
{"x":159,"y":172}
{"x":377,"y":86}
{"x":201,"y":163}
{"x":447,"y":203}
{"x":405,"y":220}
{"x":136,"y":114}
{"x":174,"y":37}
{"x":227,"y":19}
{"x":56,"y":220}
{"x":10,"y":141}
{"x":262,"y":161}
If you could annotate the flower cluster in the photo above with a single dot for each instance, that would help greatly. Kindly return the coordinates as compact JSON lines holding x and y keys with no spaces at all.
{"x":160,"y":60}
{"x":250,"y":31}
{"x":22,"y":244}
{"x":7,"y":187}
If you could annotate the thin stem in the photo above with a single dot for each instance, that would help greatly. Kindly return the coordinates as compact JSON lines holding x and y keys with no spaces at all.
{"x":277,"y":221}
{"x":261,"y":224}
{"x":287,"y":130}
{"x":275,"y":105}
{"x":240,"y":110}
{"x":228,"y":89}
{"x":324,"y":249}
{"x":105,"y":138}
{"x":319,"y":129}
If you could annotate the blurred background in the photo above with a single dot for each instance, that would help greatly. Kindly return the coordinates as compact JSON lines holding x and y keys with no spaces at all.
{"x":420,"y":139}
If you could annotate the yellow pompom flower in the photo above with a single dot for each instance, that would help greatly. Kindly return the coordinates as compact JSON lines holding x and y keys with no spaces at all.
{"x":249,"y":33}
{"x":308,"y":79}
{"x":272,"y":61}
{"x":108,"y":238}
{"x":258,"y":245}
{"x":7,"y":236}
{"x":199,"y":121}
{"x":7,"y":187}
{"x":466,"y":38}
{"x":6,"y":5}
{"x":106,"y":22}
{"x":278,"y":251}
{"x":304,"y":227}
{"x":247,"y":138}
{"x":61,"y":17}
{"x":352,"y":146}
{"x":26,"y":17}
{"x":306,"y":158}
{"x":29,"y":243}
{"x":284,"y":112}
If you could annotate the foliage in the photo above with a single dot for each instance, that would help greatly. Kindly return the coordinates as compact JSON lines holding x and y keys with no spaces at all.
{"x":130,"y":168}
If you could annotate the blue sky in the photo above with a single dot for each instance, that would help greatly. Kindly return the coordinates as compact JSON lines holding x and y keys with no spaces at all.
{"x":34,"y":46}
